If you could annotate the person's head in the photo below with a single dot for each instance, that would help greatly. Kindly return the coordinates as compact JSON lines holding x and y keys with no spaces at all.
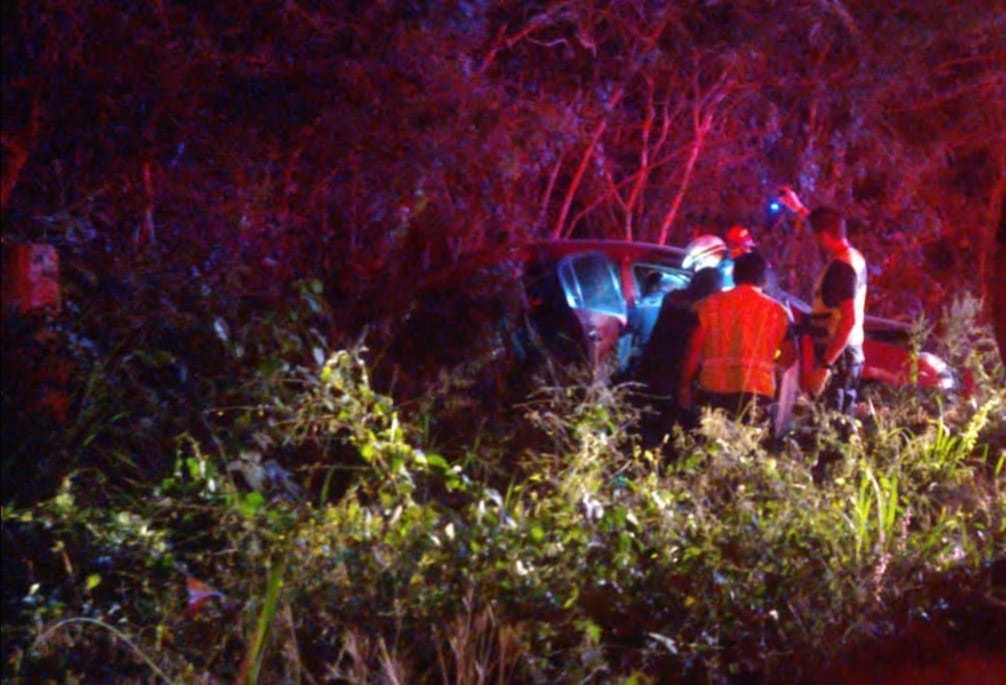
{"x":828,"y":226}
{"x":739,"y":241}
{"x":750,"y":269}
{"x":706,"y":250}
{"x":652,"y":282}
{"x":706,"y":281}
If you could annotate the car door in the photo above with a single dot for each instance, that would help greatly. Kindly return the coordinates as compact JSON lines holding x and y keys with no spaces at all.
{"x":591,"y":285}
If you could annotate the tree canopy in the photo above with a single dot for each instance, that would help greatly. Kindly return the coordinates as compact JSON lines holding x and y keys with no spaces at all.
{"x":337,"y":139}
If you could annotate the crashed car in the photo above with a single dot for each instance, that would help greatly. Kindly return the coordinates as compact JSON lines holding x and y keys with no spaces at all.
{"x":596,"y":302}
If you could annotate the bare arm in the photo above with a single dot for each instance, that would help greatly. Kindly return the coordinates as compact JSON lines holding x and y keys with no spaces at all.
{"x":846,"y":322}
{"x":789,"y":198}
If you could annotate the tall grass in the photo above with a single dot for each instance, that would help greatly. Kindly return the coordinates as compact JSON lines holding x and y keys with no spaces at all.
{"x":572,"y":556}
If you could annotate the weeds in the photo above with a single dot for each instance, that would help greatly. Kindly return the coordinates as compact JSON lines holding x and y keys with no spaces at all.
{"x":40,"y":641}
{"x":583,"y":557}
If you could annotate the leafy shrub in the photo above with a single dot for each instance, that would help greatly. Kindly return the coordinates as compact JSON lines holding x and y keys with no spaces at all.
{"x":581,"y":557}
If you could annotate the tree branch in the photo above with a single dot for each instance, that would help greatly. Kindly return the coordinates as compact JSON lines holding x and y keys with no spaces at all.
{"x":19,"y":149}
{"x":559,"y":230}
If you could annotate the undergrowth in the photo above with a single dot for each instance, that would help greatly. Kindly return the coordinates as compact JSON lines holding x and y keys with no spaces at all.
{"x":571,"y":555}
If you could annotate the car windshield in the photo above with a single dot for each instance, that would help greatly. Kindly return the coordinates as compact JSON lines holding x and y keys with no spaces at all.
{"x":591,"y":282}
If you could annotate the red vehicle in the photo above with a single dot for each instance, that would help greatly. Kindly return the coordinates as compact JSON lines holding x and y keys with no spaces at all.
{"x":597,"y":301}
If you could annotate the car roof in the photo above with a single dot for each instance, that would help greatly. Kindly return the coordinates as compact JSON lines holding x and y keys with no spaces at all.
{"x":548,"y":250}
{"x":552,"y":250}
{"x":620,"y":250}
{"x":623,"y":250}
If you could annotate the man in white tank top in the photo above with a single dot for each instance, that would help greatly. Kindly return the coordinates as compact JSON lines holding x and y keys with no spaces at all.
{"x":839,"y":311}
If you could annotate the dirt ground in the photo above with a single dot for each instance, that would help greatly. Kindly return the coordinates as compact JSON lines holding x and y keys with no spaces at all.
{"x":967,"y":648}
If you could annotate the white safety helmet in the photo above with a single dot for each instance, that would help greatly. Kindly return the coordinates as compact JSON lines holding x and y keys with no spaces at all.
{"x":704,"y":251}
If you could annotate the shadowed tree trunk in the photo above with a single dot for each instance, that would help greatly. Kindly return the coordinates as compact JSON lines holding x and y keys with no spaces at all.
{"x":998,"y":281}
{"x":18,"y":148}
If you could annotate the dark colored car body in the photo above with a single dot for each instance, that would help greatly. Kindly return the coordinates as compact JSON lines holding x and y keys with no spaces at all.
{"x":598,"y":301}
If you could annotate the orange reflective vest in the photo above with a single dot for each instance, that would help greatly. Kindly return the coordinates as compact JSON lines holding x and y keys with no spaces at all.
{"x":744,"y":329}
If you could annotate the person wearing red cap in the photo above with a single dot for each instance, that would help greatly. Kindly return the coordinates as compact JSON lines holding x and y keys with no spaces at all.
{"x":739,"y":241}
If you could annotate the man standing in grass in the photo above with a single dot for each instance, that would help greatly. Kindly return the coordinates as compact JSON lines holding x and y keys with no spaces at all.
{"x":839,"y":310}
{"x":741,"y":337}
{"x":838,"y":314}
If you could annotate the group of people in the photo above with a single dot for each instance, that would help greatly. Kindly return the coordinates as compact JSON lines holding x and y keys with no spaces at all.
{"x":725,"y":341}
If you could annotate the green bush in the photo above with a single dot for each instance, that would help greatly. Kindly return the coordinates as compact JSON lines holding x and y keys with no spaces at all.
{"x":575,"y":555}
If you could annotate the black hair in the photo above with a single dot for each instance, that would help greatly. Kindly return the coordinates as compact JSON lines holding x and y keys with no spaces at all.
{"x":750,"y":268}
{"x":706,"y":281}
{"x":828,"y":220}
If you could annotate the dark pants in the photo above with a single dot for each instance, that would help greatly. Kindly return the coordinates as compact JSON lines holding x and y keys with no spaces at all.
{"x":842,"y":391}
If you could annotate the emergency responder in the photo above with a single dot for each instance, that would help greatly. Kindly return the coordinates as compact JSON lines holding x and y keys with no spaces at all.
{"x":709,"y":250}
{"x":838,"y":314}
{"x":741,"y":337}
{"x":705,"y":250}
{"x":739,"y":241}
{"x":659,"y":368}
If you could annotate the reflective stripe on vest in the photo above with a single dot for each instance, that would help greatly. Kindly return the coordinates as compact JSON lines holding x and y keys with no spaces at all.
{"x":743,"y":330}
{"x":827,"y":318}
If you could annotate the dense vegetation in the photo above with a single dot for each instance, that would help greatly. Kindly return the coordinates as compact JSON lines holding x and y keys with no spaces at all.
{"x":243,"y":197}
{"x":246,"y":146}
{"x":343,"y":540}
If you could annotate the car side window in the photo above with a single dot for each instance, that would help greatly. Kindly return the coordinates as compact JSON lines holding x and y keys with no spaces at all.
{"x":590,"y":281}
{"x":653,"y":282}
